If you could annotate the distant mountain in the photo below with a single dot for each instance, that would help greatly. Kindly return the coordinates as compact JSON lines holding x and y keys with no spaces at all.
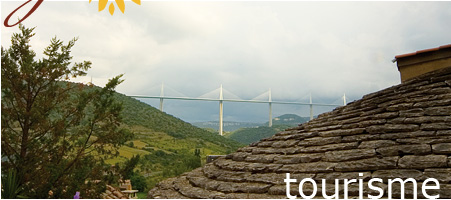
{"x":250,"y":135}
{"x":228,"y":125}
{"x":289,"y":119}
{"x":254,"y":134}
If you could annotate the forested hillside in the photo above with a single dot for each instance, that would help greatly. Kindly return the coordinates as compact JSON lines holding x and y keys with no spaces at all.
{"x":137,"y":113}
{"x":254,"y":134}
{"x":229,"y":126}
{"x":250,"y":135}
{"x":166,"y":145}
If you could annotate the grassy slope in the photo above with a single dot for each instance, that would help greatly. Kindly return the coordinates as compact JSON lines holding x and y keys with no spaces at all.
{"x":165,"y":140}
{"x":151,"y":120}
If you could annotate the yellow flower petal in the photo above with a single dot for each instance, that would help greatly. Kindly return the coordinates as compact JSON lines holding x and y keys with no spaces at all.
{"x":111,"y":9}
{"x":102,"y":4}
{"x":121,"y":5}
{"x":90,"y":1}
{"x":137,"y":2}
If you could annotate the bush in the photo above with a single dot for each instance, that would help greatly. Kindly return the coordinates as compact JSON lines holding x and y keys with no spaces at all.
{"x":139,"y":182}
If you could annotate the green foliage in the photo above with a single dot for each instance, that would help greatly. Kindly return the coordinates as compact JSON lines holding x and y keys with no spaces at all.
{"x":142,"y":195}
{"x":130,"y":144}
{"x":128,"y":171}
{"x":137,"y":113}
{"x":59,"y":135}
{"x":139,"y":182}
{"x":197,"y":152}
{"x":159,"y":165}
{"x":170,"y":143}
{"x":56,"y":134}
{"x":11,"y":188}
{"x":166,"y":156}
{"x":160,"y":153}
{"x":177,"y":135}
{"x":250,"y":135}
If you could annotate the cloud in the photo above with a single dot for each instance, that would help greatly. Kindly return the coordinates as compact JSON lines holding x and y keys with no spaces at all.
{"x":294,"y":48}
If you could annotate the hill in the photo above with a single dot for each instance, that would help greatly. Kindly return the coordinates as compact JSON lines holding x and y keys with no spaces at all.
{"x":250,"y":135}
{"x":228,"y":125}
{"x":167,"y":146}
{"x":254,"y":134}
{"x":289,"y":119}
{"x":137,"y":113}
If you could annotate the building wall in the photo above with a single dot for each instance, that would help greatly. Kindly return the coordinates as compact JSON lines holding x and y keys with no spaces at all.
{"x":415,"y":65}
{"x":411,"y":71}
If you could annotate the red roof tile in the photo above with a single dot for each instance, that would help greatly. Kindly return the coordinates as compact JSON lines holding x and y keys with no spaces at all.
{"x":423,"y":51}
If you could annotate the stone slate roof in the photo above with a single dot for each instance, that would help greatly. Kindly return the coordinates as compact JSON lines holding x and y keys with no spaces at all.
{"x":113,"y":193}
{"x":400,"y":132}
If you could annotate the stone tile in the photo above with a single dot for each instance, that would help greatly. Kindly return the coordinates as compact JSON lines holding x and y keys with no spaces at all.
{"x":422,"y":162}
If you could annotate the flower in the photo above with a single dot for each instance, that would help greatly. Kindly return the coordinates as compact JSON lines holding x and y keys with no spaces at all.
{"x":77,"y":195}
{"x":120,"y":4}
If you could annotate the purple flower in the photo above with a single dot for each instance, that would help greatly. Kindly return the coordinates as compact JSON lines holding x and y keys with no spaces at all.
{"x":77,"y":195}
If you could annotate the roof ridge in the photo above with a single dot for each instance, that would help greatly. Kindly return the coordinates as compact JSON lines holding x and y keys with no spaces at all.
{"x":423,"y":51}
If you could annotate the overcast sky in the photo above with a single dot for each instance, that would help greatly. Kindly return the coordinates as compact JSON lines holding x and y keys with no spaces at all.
{"x":294,"y":48}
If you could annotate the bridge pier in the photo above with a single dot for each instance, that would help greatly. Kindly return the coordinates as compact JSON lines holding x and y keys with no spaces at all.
{"x":344,"y":99}
{"x":221,"y":102}
{"x":311,"y":107}
{"x":161,"y":97}
{"x":270,"y":109}
{"x":270,"y":115}
{"x":221,"y":125}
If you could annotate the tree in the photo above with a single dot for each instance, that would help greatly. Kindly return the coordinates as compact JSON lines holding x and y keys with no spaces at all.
{"x":55,"y":134}
{"x":139,"y":182}
{"x":129,"y":166}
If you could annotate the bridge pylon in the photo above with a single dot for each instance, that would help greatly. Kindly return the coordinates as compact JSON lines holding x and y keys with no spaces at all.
{"x":344,"y":99}
{"x":270,"y":108}
{"x":311,"y":107}
{"x":221,"y":101}
{"x":161,"y":97}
